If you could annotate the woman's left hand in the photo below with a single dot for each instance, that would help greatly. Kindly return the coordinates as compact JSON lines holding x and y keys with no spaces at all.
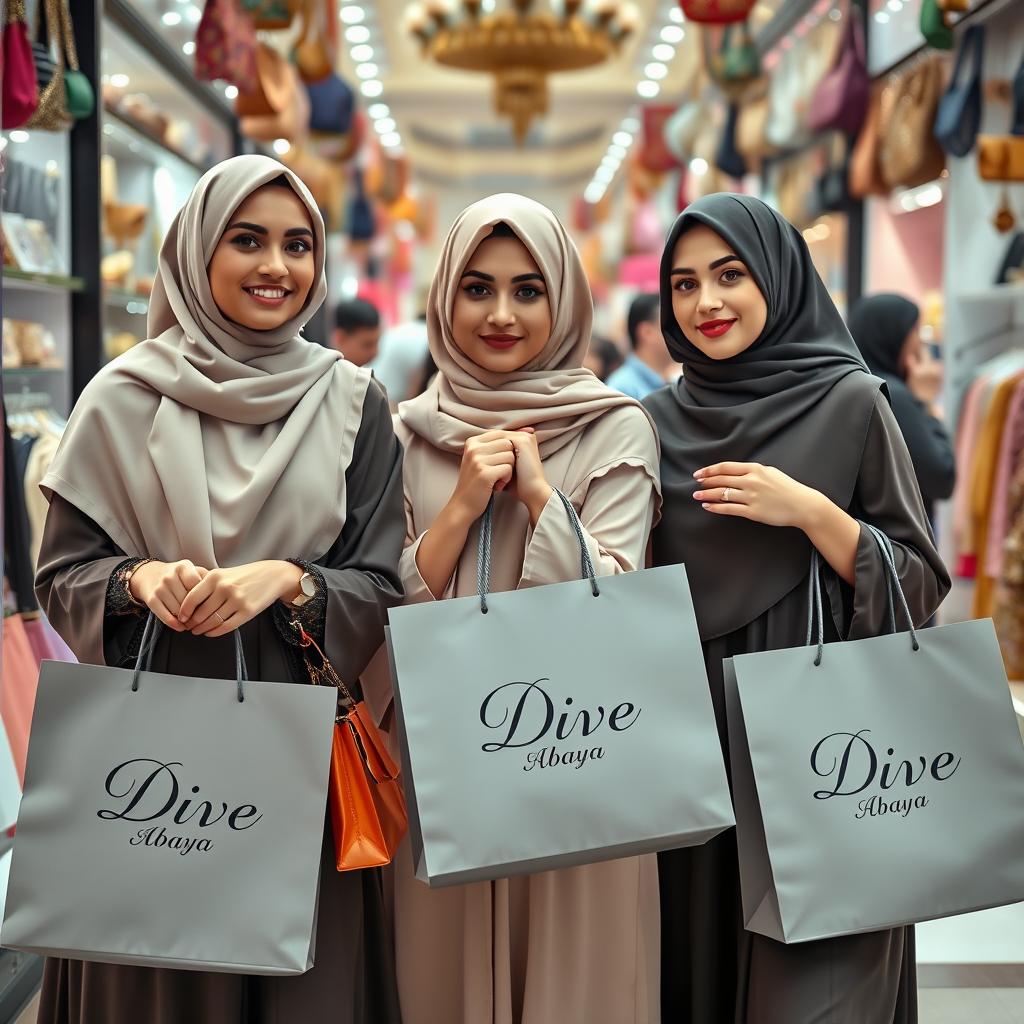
{"x":529,"y":484}
{"x":228,"y":598}
{"x":760,"y":493}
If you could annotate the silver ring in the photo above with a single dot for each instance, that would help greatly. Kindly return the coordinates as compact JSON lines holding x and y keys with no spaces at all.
{"x":728,"y":491}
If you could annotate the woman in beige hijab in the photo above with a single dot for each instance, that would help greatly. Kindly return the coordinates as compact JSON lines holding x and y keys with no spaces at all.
{"x":512,"y":412}
{"x":227,"y":474}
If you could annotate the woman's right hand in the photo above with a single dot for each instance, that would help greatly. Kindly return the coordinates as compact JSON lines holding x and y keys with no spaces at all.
{"x":162,"y":586}
{"x":488,"y":462}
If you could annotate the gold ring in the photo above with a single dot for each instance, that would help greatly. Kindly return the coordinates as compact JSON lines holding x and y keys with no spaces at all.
{"x":220,"y":617}
{"x":728,"y":491}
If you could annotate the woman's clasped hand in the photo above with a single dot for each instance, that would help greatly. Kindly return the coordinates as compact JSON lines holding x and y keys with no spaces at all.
{"x":502,"y":460}
{"x":211,"y":602}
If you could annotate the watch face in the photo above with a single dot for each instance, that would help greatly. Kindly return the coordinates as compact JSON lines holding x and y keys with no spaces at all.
{"x":308,"y":585}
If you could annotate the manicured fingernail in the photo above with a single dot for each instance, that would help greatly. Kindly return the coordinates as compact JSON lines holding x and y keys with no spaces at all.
{"x":705,"y":506}
{"x":698,"y":474}
{"x":698,"y":495}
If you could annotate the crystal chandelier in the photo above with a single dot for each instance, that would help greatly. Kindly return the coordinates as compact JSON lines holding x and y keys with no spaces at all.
{"x":521,"y":45}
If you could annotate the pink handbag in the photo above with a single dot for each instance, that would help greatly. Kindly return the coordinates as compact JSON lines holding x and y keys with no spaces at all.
{"x":840,"y":102}
{"x":18,"y":696}
{"x":226,"y":45}
{"x":19,"y":87}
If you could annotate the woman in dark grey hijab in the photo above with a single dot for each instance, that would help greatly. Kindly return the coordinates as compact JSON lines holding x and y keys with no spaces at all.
{"x":885,"y":328}
{"x":775,"y":439}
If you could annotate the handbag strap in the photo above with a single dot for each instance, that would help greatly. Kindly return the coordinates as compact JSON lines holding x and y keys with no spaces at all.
{"x":483,"y":552}
{"x":15,"y":12}
{"x":974,"y":46}
{"x":67,"y":34}
{"x":151,"y":635}
{"x":1017,"y":119}
{"x":894,"y":589}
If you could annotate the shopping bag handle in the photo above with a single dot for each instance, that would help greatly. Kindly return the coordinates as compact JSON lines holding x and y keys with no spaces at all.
{"x":150,"y":636}
{"x":483,"y":552}
{"x":895,"y":590}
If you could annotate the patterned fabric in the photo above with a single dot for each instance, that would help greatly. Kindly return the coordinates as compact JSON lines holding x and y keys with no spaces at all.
{"x":119,"y":598}
{"x":226,"y":45}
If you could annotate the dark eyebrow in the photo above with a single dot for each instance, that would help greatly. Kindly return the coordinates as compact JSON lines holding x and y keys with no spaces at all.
{"x":480,"y":274}
{"x":711,"y":266}
{"x":258,"y":229}
{"x":527,"y":277}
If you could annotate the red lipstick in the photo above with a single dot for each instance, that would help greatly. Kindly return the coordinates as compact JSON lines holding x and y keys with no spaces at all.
{"x":715,"y":328}
{"x":501,"y":341}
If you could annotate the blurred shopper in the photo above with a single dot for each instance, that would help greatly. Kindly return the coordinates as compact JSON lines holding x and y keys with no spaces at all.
{"x":399,"y":364}
{"x":189,"y":488}
{"x":357,"y":331}
{"x":603,"y":358}
{"x":774,"y":441}
{"x":887,"y":331}
{"x":648,"y":362}
{"x":513,"y":414}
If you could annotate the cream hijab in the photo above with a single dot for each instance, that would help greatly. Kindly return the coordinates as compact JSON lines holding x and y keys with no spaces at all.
{"x":553,"y":392}
{"x":211,"y":441}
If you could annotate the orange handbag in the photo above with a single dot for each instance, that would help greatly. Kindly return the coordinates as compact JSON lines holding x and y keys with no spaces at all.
{"x":367,"y":805}
{"x":18,"y":694}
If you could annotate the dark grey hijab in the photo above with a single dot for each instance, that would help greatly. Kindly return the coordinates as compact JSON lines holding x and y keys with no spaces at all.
{"x":800,"y":399}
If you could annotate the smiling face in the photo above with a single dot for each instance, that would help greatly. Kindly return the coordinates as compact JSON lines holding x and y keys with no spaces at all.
{"x":716,"y":301}
{"x":263,"y":267}
{"x":501,"y":318}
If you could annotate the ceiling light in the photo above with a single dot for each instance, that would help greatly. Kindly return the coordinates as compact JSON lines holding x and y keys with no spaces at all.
{"x":619,"y":151}
{"x":193,"y":15}
{"x":352,"y":14}
{"x":648,"y":89}
{"x":610,"y":161}
{"x":119,"y":81}
{"x":656,"y":70}
{"x":594,"y":193}
{"x":676,"y":14}
{"x":835,"y":14}
{"x":378,"y":110}
{"x":630,"y":124}
{"x":391,"y":140}
{"x":604,"y":175}
{"x":361,"y":53}
{"x":699,"y":166}
{"x":231,"y":91}
{"x":372,"y":88}
{"x":19,"y":136}
{"x":367,"y":70}
{"x":171,"y":18}
{"x":673,"y":34}
{"x":281,"y":146}
{"x":623,"y":139}
{"x":385,"y":125}
{"x":357,"y":34}
{"x":882,"y":18}
{"x":189,"y":48}
{"x":663,"y":52}
{"x":895,"y":6}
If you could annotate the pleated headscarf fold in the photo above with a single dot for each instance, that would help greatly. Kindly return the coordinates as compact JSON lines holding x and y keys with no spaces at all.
{"x":800,"y":399}
{"x":212,"y":441}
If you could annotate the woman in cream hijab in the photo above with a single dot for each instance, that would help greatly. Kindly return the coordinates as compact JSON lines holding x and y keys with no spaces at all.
{"x":227,"y":474}
{"x":512,"y":412}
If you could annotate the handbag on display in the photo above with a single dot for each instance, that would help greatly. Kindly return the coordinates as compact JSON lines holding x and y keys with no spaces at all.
{"x":270,"y":15}
{"x":367,"y":805}
{"x":331,"y":103}
{"x":959,"y":115}
{"x":226,"y":45}
{"x":910,"y":155}
{"x":681,"y":129}
{"x":51,"y":114}
{"x":311,"y":54}
{"x":79,"y":95}
{"x":1001,"y":157}
{"x":841,"y":100}
{"x":831,"y":191}
{"x":935,"y":26}
{"x":751,"y":138}
{"x":737,"y":62}
{"x":655,"y":154}
{"x":19,"y":86}
{"x":717,"y":12}
{"x":1013,"y":260}
{"x":291,"y":120}
{"x":865,"y":176}
{"x":154,"y":811}
{"x":271,"y":90}
{"x":876,"y":781}
{"x":18,"y":693}
{"x":569,"y":749}
{"x":729,"y":160}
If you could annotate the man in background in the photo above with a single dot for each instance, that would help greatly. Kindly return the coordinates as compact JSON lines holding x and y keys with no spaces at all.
{"x":400,"y":366}
{"x":648,"y":365}
{"x":357,"y":330}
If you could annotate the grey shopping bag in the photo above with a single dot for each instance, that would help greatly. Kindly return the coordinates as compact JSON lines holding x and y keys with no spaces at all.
{"x":556,"y":725}
{"x":878,"y":782}
{"x":170,"y":821}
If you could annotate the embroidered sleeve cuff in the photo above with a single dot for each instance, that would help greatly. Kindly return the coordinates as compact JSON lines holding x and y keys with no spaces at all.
{"x":312,"y":616}
{"x":119,"y":599}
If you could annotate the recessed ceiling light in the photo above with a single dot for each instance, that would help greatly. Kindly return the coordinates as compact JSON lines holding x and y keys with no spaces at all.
{"x":367,"y":70}
{"x":594,"y":193}
{"x":171,"y":18}
{"x":663,"y":52}
{"x":352,"y":14}
{"x":281,"y":146}
{"x":630,"y":124}
{"x":357,"y":34}
{"x":189,"y":48}
{"x":372,"y":89}
{"x":647,"y":89}
{"x":882,"y":18}
{"x":362,"y":52}
{"x":378,"y":110}
{"x":610,"y":161}
{"x":193,"y":15}
{"x":385,"y":125}
{"x":623,"y":139}
{"x":699,"y":166}
{"x":673,"y":34}
{"x":604,"y":175}
{"x":231,"y":91}
{"x":656,"y":70}
{"x":619,"y":151}
{"x":835,"y":14}
{"x":19,"y":136}
{"x":119,"y":81}
{"x":676,"y":14}
{"x":391,"y":140}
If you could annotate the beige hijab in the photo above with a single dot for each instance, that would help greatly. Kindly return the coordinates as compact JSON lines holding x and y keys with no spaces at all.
{"x":211,"y":441}
{"x":553,"y":392}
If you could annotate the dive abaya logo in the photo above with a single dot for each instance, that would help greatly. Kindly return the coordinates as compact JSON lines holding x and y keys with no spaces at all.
{"x":150,"y":792}
{"x":522,"y":714}
{"x":853,"y":767}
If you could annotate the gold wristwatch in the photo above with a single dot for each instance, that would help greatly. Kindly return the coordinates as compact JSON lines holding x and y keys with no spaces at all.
{"x":307,"y":591}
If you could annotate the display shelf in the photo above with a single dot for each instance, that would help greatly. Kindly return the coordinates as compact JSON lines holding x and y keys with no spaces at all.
{"x":1012,"y":292}
{"x":127,"y":140}
{"x":127,"y":302}
{"x":21,"y":373}
{"x":41,"y":282}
